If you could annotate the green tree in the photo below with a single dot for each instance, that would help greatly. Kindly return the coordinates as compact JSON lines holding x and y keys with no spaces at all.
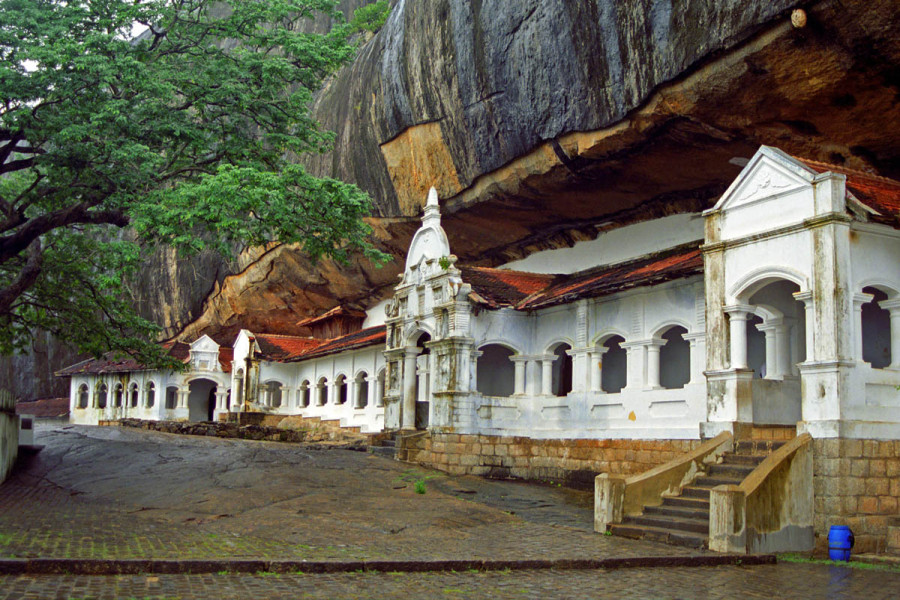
{"x":187,"y":135}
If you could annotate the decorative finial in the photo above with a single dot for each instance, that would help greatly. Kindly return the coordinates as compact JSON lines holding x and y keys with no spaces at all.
{"x":432,"y":197}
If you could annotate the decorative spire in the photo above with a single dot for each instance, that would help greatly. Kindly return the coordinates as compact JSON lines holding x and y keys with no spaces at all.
{"x":432,"y":216}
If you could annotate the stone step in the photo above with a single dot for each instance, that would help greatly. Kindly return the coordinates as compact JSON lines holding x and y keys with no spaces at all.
{"x":389,"y":443}
{"x":730,"y":471}
{"x":681,"y":512}
{"x":383,"y":451}
{"x":711,"y":481}
{"x":758,"y":446}
{"x":694,"y":503}
{"x":700,"y":526}
{"x":690,"y":491}
{"x":657,"y":534}
{"x":729,"y":458}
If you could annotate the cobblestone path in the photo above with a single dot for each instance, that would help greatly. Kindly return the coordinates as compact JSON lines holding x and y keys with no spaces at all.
{"x":126,"y":493}
{"x":796,"y":581}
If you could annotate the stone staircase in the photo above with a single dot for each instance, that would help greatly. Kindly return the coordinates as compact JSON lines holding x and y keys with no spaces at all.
{"x":386,"y":448}
{"x":684,"y":519}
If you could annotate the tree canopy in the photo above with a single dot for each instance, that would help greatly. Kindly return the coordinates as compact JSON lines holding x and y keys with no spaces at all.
{"x":187,"y":135}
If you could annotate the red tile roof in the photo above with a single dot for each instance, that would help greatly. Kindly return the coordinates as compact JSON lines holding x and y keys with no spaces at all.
{"x":501,"y":287}
{"x":878,"y":193}
{"x":107,"y":364}
{"x":44,"y":407}
{"x":284,"y":348}
{"x":675,"y":263}
{"x":359,"y":339}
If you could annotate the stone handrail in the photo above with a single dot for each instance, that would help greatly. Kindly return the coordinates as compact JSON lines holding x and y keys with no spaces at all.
{"x":616,"y":495}
{"x":772,"y":509}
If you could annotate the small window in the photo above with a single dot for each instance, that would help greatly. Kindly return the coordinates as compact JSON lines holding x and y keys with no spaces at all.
{"x":151,"y":395}
{"x":362,"y":391}
{"x":27,"y":424}
{"x":101,"y":396}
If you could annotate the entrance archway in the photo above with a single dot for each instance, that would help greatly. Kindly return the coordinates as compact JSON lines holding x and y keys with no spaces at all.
{"x":201,"y":400}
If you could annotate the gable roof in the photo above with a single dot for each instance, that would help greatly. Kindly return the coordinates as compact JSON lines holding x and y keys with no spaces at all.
{"x":880,"y":194}
{"x":107,"y":364}
{"x":358,"y":339}
{"x":337,"y":311}
{"x":500,"y":288}
{"x":283,"y":348}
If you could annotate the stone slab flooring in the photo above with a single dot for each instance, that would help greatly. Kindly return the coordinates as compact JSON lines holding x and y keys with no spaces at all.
{"x":110,"y":492}
{"x":796,"y":581}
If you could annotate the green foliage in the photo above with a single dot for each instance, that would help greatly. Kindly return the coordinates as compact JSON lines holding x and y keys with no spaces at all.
{"x":419,"y":486}
{"x":371,"y":17}
{"x":186,"y":136}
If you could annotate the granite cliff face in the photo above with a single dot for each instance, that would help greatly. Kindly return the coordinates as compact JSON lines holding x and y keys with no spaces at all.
{"x":558,"y":119}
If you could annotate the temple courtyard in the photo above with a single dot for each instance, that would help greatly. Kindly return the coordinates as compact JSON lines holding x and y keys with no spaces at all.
{"x":102,"y":499}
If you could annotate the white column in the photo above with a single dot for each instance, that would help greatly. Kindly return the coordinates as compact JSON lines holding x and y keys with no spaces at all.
{"x":547,"y":374}
{"x":858,"y":301}
{"x":422,"y":371}
{"x":635,"y":364}
{"x":595,"y":367}
{"x":698,"y":355}
{"x":408,"y":408}
{"x":783,"y":348}
{"x":771,"y":350}
{"x":182,"y":397}
{"x":288,"y":397}
{"x":519,"y":364}
{"x":893,"y":306}
{"x":807,"y":299}
{"x":737,"y":317}
{"x":653,"y":347}
{"x":531,"y":372}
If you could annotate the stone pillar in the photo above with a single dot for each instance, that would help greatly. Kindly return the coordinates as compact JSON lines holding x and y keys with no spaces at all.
{"x":519,"y":363}
{"x":727,"y":519}
{"x":858,"y":301}
{"x":636,"y":364}
{"x":698,"y":355}
{"x":183,"y":394}
{"x":783,"y":348}
{"x":408,"y":408}
{"x":807,"y":299}
{"x":289,"y":397}
{"x":547,"y":374}
{"x":220,"y":399}
{"x":737,"y":316}
{"x":771,"y":350}
{"x":609,"y":500}
{"x":893,"y":306}
{"x":422,"y":372}
{"x":595,"y":368}
{"x":531,"y":371}
{"x":653,"y":347}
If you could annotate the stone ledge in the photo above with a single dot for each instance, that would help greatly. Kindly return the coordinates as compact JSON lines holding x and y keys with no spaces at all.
{"x":74,"y":566}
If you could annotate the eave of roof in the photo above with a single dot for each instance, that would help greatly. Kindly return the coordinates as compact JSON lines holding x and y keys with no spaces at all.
{"x":352,"y":341}
{"x":880,"y":194}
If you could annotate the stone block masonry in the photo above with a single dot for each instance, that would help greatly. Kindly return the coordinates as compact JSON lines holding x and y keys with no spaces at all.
{"x":573,"y":461}
{"x":856,"y":483}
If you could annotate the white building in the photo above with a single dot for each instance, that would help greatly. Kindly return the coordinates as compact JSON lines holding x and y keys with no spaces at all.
{"x":778,"y":306}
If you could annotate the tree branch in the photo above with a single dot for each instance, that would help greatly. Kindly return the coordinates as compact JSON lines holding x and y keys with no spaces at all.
{"x":27,"y":276}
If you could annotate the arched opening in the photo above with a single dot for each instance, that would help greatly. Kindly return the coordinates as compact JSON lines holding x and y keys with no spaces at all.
{"x":273,"y":391}
{"x":340,"y":389}
{"x":151,"y":394}
{"x":228,"y":400}
{"x":322,"y":392}
{"x":379,"y":390}
{"x":171,"y":397}
{"x":775,"y":345}
{"x":876,"y":330}
{"x":83,"y":396}
{"x":201,"y":400}
{"x":423,"y":382}
{"x":135,"y":395}
{"x":561,"y":377}
{"x":614,"y":371}
{"x":674,"y":359}
{"x":362,"y":390}
{"x":101,"y":395}
{"x":495,"y":372}
{"x":118,"y":393}
{"x":304,"y":394}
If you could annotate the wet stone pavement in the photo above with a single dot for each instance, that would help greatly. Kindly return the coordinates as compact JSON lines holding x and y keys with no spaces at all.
{"x":104,"y":493}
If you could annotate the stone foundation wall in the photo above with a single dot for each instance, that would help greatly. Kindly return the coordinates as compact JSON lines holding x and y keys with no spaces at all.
{"x":856,"y":483}
{"x":574,"y":462}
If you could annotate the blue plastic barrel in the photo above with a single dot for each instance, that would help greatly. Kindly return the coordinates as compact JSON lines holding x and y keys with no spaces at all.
{"x":840,"y":540}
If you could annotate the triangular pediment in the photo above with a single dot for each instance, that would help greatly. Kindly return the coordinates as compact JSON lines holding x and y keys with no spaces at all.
{"x":770,"y":173}
{"x":204,"y":344}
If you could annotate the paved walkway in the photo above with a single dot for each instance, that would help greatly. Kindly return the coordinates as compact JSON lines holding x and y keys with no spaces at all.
{"x":778,"y":581}
{"x":131,"y":494}
{"x":108,"y":492}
